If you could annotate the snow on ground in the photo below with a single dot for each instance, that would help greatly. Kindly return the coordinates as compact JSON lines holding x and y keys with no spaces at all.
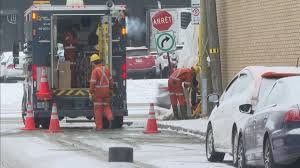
{"x":197,"y":125}
{"x":11,"y":99}
{"x":48,"y":155}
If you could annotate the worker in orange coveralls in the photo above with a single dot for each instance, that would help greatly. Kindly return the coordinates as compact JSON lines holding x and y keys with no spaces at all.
{"x":70,"y":41}
{"x":100,"y":85}
{"x":178,"y":77}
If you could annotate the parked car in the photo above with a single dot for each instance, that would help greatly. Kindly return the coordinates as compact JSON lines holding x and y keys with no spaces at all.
{"x":271,"y":134}
{"x":162,"y":63}
{"x":249,"y":86}
{"x":8,"y":70}
{"x":139,"y":62}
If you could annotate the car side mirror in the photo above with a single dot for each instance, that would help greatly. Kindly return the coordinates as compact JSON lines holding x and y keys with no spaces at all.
{"x":246,"y":108}
{"x":213,"y":98}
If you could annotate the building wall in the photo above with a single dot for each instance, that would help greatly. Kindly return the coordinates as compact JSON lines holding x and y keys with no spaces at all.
{"x":258,"y":32}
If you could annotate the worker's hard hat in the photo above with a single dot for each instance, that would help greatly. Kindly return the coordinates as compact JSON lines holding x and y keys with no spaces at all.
{"x":95,"y":57}
{"x":196,"y":68}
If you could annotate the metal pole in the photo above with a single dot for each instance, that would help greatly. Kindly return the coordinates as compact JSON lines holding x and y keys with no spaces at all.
{"x":213,"y":44}
{"x":202,"y":55}
{"x":169,"y":64}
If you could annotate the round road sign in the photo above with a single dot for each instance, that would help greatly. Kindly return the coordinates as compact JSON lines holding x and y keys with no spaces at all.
{"x":195,"y":11}
{"x":165,"y":42}
{"x":162,"y":20}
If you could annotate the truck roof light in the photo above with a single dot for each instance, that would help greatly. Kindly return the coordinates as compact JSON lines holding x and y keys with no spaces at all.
{"x":123,"y":31}
{"x":34,"y":16}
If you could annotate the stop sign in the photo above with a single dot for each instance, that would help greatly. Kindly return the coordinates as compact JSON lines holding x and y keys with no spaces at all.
{"x":162,"y":20}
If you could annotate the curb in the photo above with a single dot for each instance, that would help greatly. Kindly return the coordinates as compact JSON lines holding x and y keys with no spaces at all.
{"x":176,"y":128}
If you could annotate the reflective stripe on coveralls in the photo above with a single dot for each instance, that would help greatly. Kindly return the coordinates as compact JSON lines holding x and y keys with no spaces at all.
{"x":101,"y":99}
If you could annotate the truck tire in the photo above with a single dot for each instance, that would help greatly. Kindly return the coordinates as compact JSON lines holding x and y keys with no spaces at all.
{"x":44,"y":122}
{"x":116,"y":123}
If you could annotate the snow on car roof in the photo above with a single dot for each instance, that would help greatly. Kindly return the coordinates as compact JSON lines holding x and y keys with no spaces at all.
{"x":258,"y":71}
{"x":137,"y":48}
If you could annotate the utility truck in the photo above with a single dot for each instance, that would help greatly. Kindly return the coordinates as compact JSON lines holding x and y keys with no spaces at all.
{"x":99,"y":29}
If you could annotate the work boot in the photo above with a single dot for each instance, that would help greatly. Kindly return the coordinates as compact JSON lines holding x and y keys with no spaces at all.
{"x":183,"y":110}
{"x":175,"y":112}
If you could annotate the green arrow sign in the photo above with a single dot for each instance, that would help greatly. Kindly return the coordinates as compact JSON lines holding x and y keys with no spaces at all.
{"x":165,"y":41}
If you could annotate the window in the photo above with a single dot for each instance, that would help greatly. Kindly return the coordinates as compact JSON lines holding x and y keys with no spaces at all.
{"x":276,"y":94}
{"x":229,"y":89}
{"x":265,"y":88}
{"x":243,"y":83}
{"x":141,"y":52}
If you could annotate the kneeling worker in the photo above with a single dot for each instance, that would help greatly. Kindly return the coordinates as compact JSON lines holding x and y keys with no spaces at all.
{"x":100,"y":84}
{"x":178,"y":77}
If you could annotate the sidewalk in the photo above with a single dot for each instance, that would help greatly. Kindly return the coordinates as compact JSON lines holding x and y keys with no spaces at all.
{"x":192,"y":126}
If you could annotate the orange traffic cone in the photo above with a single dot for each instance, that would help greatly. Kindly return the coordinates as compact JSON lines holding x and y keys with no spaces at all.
{"x":151,"y":123}
{"x":54,"y":122}
{"x":44,"y":92}
{"x":29,"y":121}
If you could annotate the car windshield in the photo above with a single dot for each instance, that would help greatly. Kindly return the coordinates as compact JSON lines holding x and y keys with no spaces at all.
{"x":141,"y":52}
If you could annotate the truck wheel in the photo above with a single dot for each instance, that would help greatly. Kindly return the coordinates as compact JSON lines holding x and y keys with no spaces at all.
{"x":117,"y":122}
{"x":45,"y":122}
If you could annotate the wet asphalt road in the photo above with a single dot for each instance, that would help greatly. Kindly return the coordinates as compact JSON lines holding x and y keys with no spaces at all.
{"x":79,"y":145}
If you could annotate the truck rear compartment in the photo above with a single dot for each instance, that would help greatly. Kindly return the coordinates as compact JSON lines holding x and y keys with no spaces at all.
{"x":78,"y":36}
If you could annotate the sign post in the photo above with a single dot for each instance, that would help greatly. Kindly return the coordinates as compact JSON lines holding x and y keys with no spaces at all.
{"x":165,"y":41}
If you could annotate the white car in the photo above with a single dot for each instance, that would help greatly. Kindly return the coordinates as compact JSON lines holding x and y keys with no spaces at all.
{"x":10,"y":71}
{"x":226,"y":121}
{"x":162,"y":63}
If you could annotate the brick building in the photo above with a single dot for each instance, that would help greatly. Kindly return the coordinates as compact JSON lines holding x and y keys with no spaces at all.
{"x":258,"y":32}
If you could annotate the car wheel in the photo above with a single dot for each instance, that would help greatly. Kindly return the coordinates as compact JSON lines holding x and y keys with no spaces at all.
{"x":241,"y":162}
{"x":268,"y":155}
{"x":211,"y":154}
{"x":235,"y":139}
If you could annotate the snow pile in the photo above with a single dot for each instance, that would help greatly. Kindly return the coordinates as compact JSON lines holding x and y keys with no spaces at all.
{"x":11,"y":99}
{"x":194,"y":125}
